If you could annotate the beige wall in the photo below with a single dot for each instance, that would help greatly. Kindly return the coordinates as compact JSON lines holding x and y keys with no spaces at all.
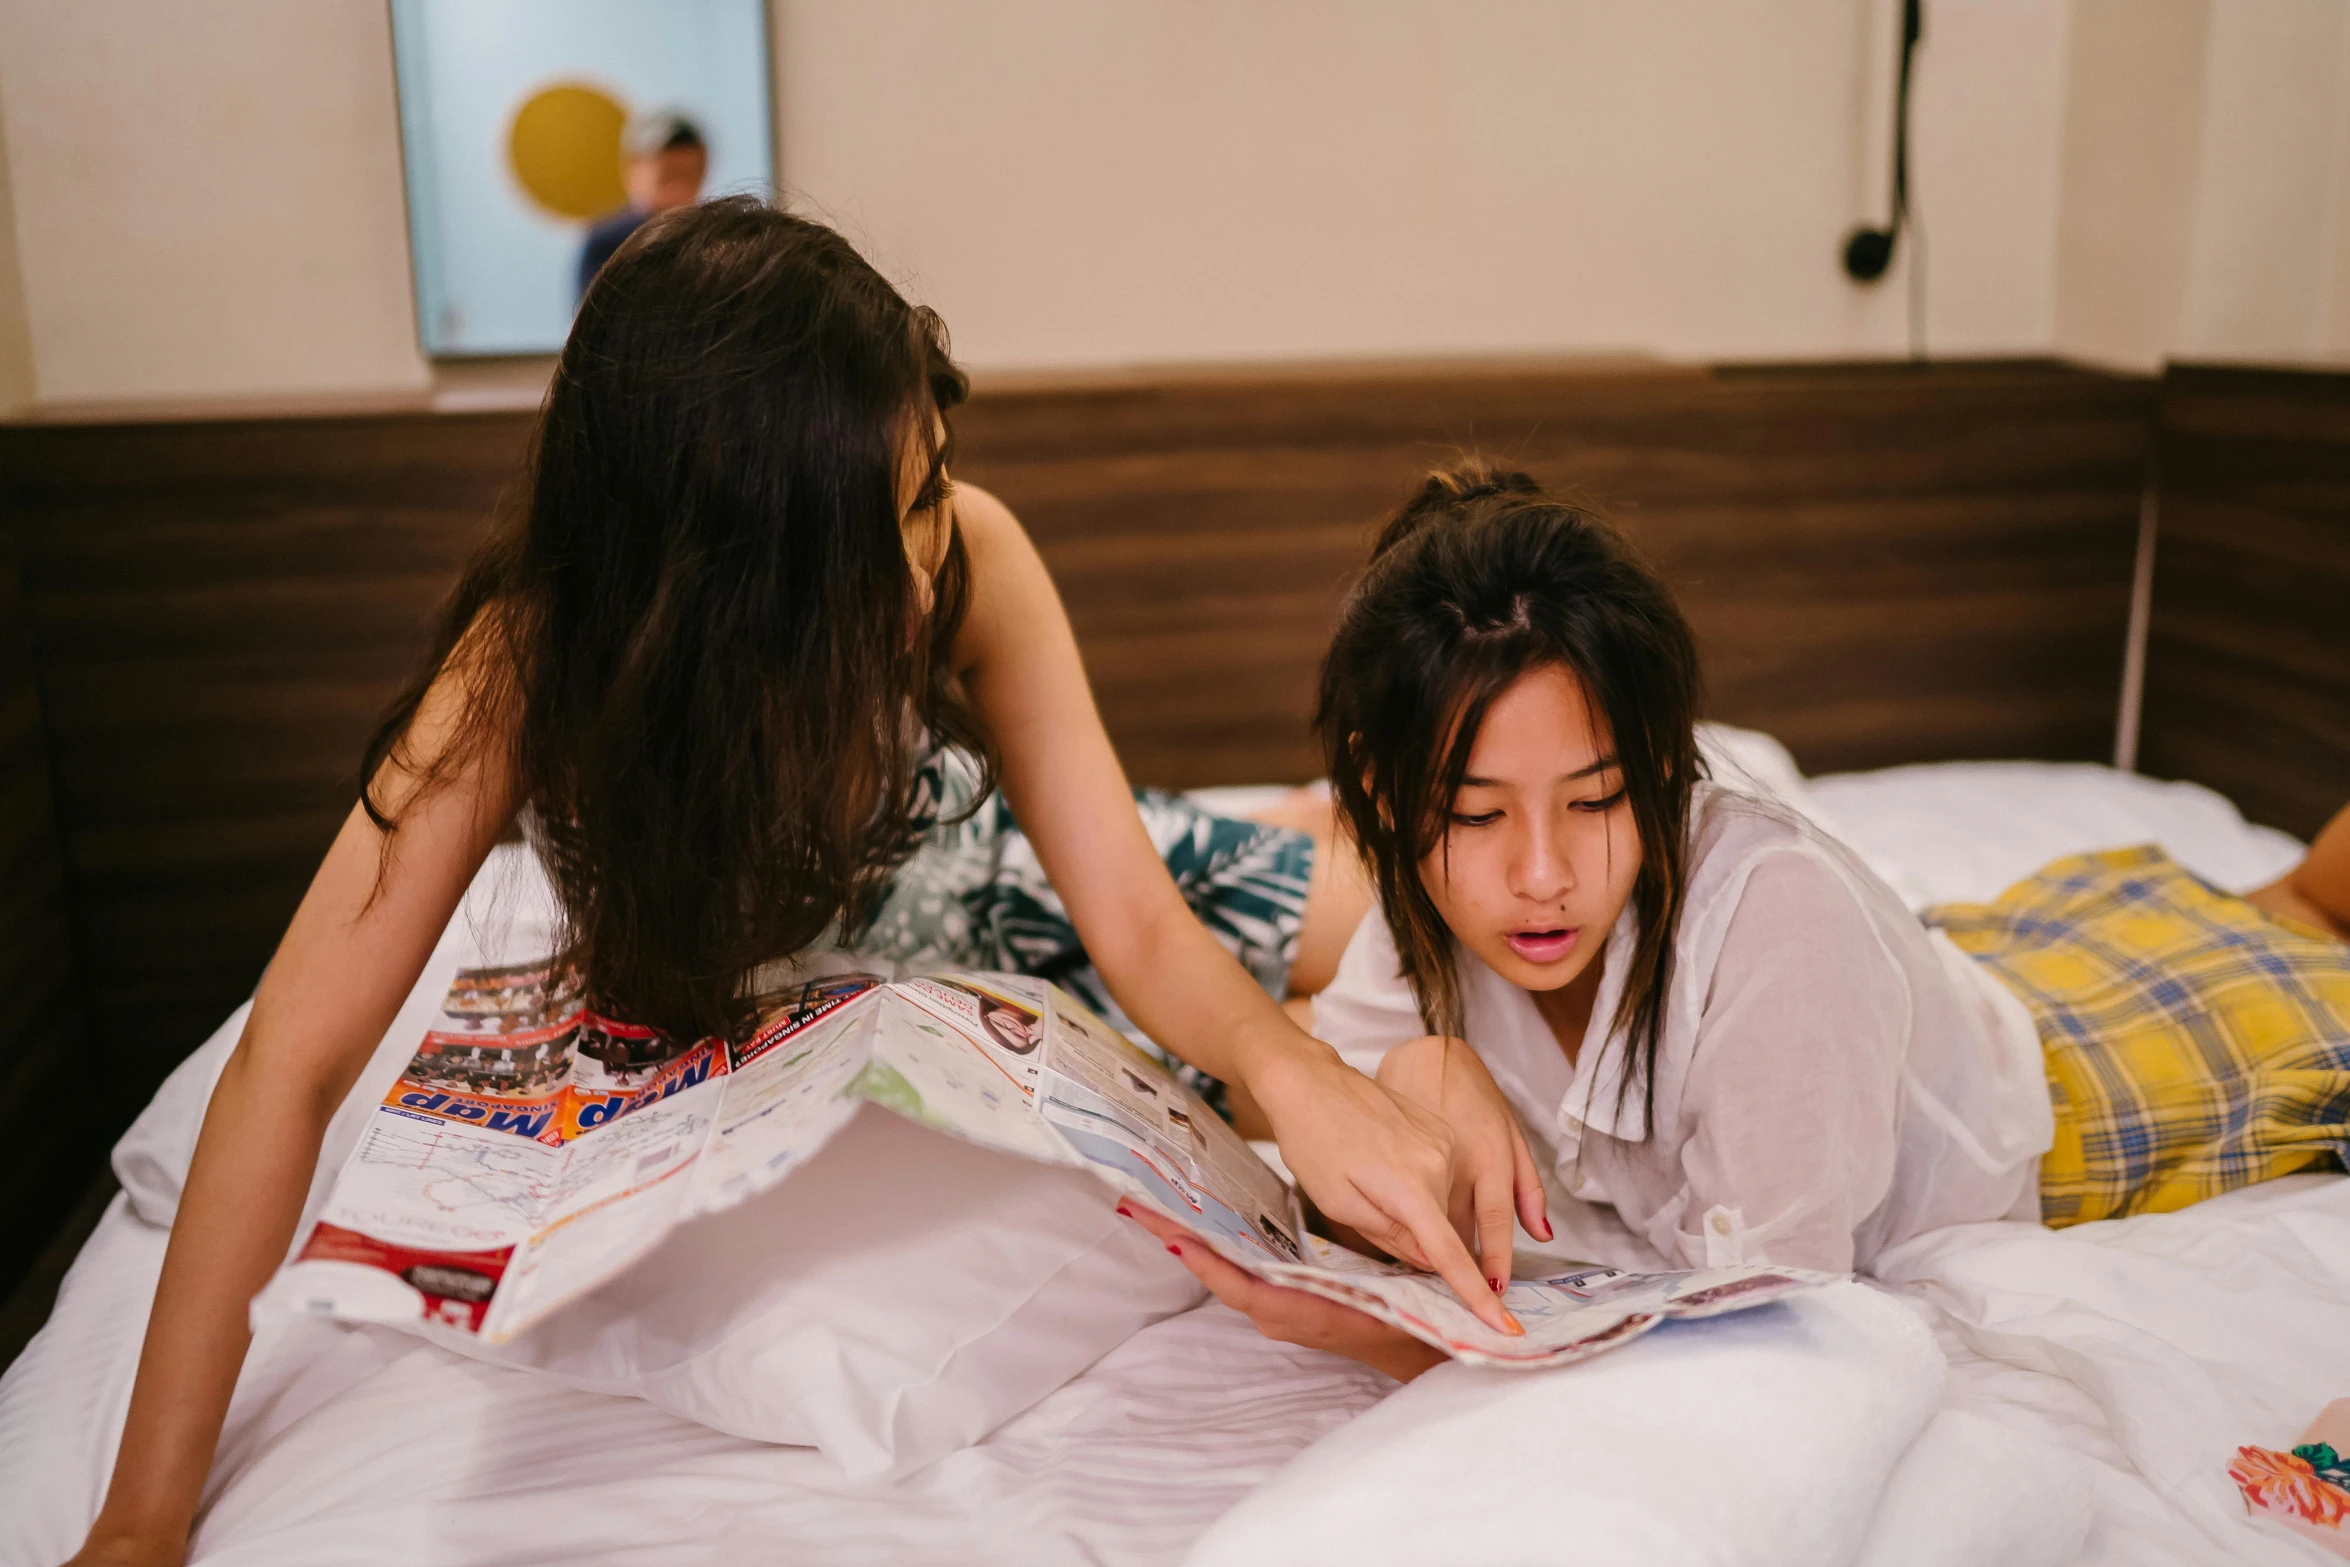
{"x":2133,"y":124}
{"x":1074,"y":183}
{"x":2267,"y":246}
{"x":206,"y":200}
{"x":207,"y":197}
{"x":2206,"y":182}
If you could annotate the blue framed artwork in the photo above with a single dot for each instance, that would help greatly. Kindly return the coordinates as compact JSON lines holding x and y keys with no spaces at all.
{"x":535,"y":133}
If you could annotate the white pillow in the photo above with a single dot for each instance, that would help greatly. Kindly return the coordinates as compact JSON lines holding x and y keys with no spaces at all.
{"x":151,"y":1158}
{"x":1964,"y":832}
{"x":1749,"y":760}
{"x":508,"y":909}
{"x":1971,"y":1491}
{"x":899,"y":1298}
{"x":1762,"y":1439}
{"x":894,"y":1301}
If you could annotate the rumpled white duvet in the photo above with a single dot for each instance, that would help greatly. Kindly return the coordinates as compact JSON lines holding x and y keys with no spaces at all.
{"x":2010,"y":1395}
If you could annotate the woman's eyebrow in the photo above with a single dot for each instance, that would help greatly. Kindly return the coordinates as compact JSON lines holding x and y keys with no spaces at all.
{"x":1600,"y":766}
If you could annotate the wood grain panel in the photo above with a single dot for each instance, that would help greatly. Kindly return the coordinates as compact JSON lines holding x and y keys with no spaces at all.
{"x":219,"y":612}
{"x":51,"y":1099}
{"x":1885,"y":564}
{"x":2248,"y":648}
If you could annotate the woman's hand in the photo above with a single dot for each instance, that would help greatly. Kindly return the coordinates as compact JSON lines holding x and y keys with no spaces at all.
{"x":1293,"y":1316}
{"x":1493,"y":1176}
{"x":1368,"y":1159}
{"x":1390,"y":1168}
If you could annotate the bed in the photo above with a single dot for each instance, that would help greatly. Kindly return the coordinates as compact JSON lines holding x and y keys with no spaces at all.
{"x":2147,"y":1348}
{"x":1885,"y":564}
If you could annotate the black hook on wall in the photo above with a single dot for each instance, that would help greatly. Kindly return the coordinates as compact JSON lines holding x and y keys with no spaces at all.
{"x":1868,"y":252}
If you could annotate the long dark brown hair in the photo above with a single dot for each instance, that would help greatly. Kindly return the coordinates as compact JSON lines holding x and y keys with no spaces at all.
{"x":1480,"y":578}
{"x":695,"y":631}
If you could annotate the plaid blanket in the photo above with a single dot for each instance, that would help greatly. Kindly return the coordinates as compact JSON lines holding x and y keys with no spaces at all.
{"x":2194,"y":1044}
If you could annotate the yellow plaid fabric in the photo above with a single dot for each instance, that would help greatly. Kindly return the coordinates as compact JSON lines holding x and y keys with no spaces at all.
{"x":2194,"y":1044}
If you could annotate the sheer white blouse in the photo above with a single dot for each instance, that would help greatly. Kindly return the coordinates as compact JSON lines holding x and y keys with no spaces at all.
{"x":1831,"y":1077}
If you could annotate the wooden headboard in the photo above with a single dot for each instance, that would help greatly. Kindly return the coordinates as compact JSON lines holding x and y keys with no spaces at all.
{"x":1885,"y":564}
{"x":2248,"y":656}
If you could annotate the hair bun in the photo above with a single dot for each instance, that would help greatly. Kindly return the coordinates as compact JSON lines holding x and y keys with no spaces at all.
{"x":1446,"y":491}
{"x":1474,"y":478}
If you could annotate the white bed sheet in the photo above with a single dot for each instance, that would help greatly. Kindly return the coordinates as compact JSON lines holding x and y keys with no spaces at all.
{"x":361,"y":1445}
{"x":2150,"y":1347}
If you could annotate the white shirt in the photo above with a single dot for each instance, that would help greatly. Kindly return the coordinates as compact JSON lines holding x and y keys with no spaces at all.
{"x":1831,"y":1077}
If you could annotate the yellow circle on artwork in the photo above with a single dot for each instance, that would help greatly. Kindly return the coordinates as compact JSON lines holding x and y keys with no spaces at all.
{"x":564,"y":148}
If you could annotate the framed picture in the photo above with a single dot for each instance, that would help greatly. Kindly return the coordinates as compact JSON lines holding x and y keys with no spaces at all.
{"x":537,"y":133}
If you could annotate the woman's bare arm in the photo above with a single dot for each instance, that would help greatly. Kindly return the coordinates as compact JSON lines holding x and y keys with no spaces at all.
{"x":1381,"y":1165}
{"x":2316,"y":891}
{"x":346,"y":965}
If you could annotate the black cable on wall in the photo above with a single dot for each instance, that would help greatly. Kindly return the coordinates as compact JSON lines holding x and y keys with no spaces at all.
{"x":1868,"y":252}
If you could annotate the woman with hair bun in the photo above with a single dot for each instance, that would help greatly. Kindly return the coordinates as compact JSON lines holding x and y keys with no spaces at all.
{"x":1724,"y":1039}
{"x":1727,"y":1040}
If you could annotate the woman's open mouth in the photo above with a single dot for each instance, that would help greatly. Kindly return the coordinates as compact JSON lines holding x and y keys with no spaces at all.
{"x":1543,"y":946}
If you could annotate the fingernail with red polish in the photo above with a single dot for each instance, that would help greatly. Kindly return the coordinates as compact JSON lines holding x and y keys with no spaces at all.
{"x":1546,"y":1229}
{"x":1493,"y":1285}
{"x":1174,"y":1251}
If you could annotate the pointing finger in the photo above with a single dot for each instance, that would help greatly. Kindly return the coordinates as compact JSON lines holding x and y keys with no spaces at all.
{"x":1496,"y":1232}
{"x":1449,"y":1259}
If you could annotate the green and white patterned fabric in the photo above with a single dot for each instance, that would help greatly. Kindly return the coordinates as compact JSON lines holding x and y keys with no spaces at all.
{"x":974,"y":895}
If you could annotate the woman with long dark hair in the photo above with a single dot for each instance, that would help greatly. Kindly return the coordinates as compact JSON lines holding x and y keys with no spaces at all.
{"x":746,"y":666}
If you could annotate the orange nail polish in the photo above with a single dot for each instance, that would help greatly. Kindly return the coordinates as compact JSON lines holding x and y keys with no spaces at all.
{"x":1517,"y":1328}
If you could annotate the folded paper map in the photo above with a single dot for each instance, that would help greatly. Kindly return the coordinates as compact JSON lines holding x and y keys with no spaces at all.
{"x":533,"y":1149}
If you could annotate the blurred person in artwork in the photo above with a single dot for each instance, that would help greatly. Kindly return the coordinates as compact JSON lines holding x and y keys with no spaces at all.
{"x":663,"y":162}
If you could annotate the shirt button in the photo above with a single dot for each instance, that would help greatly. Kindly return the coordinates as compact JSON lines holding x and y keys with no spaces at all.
{"x":1721,"y":1223}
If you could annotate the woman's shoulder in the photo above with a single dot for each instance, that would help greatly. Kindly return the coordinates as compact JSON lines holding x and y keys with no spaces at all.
{"x":1370,"y":969}
{"x":985,"y":520}
{"x":1368,"y":1007}
{"x":1758,"y":864}
{"x":1731,"y":831}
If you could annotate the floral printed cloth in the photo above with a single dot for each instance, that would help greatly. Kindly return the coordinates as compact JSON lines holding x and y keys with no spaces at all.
{"x":2308,"y":1488}
{"x":975,"y":896}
